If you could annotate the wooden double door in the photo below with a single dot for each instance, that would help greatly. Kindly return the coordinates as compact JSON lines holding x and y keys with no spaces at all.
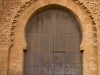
{"x":53,"y":37}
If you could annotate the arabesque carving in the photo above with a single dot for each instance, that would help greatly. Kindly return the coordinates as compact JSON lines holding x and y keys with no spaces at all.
{"x":14,"y":8}
{"x":93,"y":9}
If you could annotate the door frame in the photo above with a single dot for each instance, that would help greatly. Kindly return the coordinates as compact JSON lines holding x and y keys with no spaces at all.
{"x":20,"y":40}
{"x":56,"y":14}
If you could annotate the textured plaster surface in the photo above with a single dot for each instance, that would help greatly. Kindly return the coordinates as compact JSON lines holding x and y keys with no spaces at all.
{"x":14,"y":21}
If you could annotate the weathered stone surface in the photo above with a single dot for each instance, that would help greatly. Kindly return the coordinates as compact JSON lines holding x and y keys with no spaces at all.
{"x":0,"y":8}
{"x":15,"y":16}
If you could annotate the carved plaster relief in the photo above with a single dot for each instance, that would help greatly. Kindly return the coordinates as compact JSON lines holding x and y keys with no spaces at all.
{"x":93,"y":9}
{"x":13,"y":9}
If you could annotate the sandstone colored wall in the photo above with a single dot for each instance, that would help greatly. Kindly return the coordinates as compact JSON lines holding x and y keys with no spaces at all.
{"x":11,"y":52}
{"x":3,"y":51}
{"x":0,"y":8}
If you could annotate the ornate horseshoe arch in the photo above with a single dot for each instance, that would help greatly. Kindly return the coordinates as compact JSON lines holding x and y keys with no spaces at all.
{"x":19,"y":41}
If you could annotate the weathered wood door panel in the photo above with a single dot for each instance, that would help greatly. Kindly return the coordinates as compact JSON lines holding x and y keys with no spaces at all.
{"x":67,"y":38}
{"x":53,"y":38}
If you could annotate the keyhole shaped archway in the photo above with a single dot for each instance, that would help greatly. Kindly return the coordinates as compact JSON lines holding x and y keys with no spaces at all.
{"x":53,"y":37}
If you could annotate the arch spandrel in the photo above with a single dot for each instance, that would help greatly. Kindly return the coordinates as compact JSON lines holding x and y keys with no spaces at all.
{"x":80,"y":15}
{"x":78,"y":12}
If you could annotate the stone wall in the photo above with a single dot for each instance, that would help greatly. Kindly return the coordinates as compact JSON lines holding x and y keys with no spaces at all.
{"x":0,"y":8}
{"x":10,"y":20}
{"x":3,"y":51}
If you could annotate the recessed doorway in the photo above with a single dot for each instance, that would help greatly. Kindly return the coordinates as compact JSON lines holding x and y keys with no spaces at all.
{"x":53,"y":37}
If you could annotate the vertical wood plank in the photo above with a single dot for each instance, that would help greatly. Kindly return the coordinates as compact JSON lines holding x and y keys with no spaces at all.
{"x":53,"y":37}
